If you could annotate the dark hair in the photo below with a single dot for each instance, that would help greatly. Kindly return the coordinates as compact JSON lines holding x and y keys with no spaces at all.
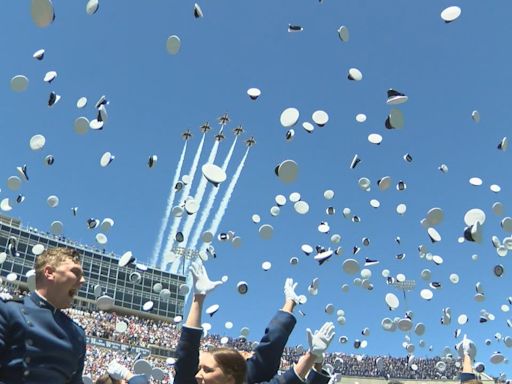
{"x":106,"y":379}
{"x":231,"y":362}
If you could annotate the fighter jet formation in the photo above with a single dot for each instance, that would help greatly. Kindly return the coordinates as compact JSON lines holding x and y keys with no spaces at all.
{"x":186,"y":135}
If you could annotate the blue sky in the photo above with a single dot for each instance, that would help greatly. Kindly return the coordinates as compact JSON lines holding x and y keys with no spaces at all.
{"x":447,"y":70}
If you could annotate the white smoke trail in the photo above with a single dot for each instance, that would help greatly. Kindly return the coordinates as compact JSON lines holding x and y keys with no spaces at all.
{"x":177,"y":220}
{"x":170,"y":201}
{"x":201,"y":189}
{"x":211,"y":199}
{"x":227,"y":196}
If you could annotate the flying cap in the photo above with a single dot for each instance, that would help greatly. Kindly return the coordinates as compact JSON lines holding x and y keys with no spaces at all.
{"x":503,"y":144}
{"x":392,"y":301}
{"x":126,"y":259}
{"x":13,"y":183}
{"x":308,"y":127}
{"x":212,"y":309}
{"x":37,"y":142}
{"x":395,"y":119}
{"x":81,"y":125}
{"x":50,"y":76}
{"x":39,"y":54}
{"x":354,"y":74}
{"x":395,"y":97}
{"x":52,"y":201}
{"x":375,"y":138}
{"x":320,"y":118}
{"x":92,"y":7}
{"x":198,"y":12}
{"x":214,"y":174}
{"x":266,"y":265}
{"x":242,"y":287}
{"x":450,"y":14}
{"x":43,"y":13}
{"x":19,"y":83}
{"x":105,"y":303}
{"x":253,"y":93}
{"x":173,"y":44}
{"x":266,"y":231}
{"x":148,"y":306}
{"x":351,"y":266}
{"x":360,"y":117}
{"x":142,"y":367}
{"x":287,"y":171}
{"x":289,"y":117}
{"x":433,"y":234}
{"x":343,"y":33}
{"x":474,"y":215}
{"x":106,"y":159}
{"x":435,"y":216}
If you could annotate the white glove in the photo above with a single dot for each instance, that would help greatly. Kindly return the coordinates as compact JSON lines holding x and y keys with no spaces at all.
{"x":289,"y":290}
{"x":202,"y":284}
{"x":466,"y":347}
{"x":320,"y":359}
{"x":320,"y":340}
{"x":117,"y":371}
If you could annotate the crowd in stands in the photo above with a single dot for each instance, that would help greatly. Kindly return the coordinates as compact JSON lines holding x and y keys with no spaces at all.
{"x":98,"y":359}
{"x":146,"y":332}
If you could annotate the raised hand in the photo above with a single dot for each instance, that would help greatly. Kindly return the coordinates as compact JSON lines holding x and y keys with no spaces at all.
{"x":202,"y":284}
{"x":321,"y":339}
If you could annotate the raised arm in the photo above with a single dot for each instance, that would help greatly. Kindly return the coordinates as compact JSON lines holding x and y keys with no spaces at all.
{"x":318,"y":344}
{"x":264,"y":363}
{"x":187,"y":350}
{"x":467,"y":352}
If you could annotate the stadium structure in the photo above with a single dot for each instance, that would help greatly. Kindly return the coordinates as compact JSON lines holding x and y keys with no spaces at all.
{"x":130,"y":286}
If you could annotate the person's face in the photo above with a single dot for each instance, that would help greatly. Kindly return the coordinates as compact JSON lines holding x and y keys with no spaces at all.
{"x":210,"y":372}
{"x":67,"y":278}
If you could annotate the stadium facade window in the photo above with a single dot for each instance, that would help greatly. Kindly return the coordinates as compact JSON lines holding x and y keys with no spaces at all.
{"x":99,"y":268}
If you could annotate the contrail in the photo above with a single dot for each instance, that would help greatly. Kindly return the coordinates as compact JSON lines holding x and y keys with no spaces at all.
{"x":227,"y":196}
{"x":170,"y":201}
{"x":201,"y":189}
{"x":176,"y":222}
{"x":211,"y":199}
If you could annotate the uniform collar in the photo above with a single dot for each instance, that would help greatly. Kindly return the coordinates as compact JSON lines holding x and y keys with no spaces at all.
{"x":41,"y":302}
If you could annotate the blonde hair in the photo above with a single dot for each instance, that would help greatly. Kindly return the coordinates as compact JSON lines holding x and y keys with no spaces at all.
{"x":54,"y":257}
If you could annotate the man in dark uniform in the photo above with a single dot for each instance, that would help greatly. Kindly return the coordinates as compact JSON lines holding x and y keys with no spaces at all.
{"x":38,"y":342}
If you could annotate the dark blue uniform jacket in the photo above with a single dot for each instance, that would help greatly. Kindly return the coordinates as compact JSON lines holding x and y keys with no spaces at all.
{"x":39,"y":343}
